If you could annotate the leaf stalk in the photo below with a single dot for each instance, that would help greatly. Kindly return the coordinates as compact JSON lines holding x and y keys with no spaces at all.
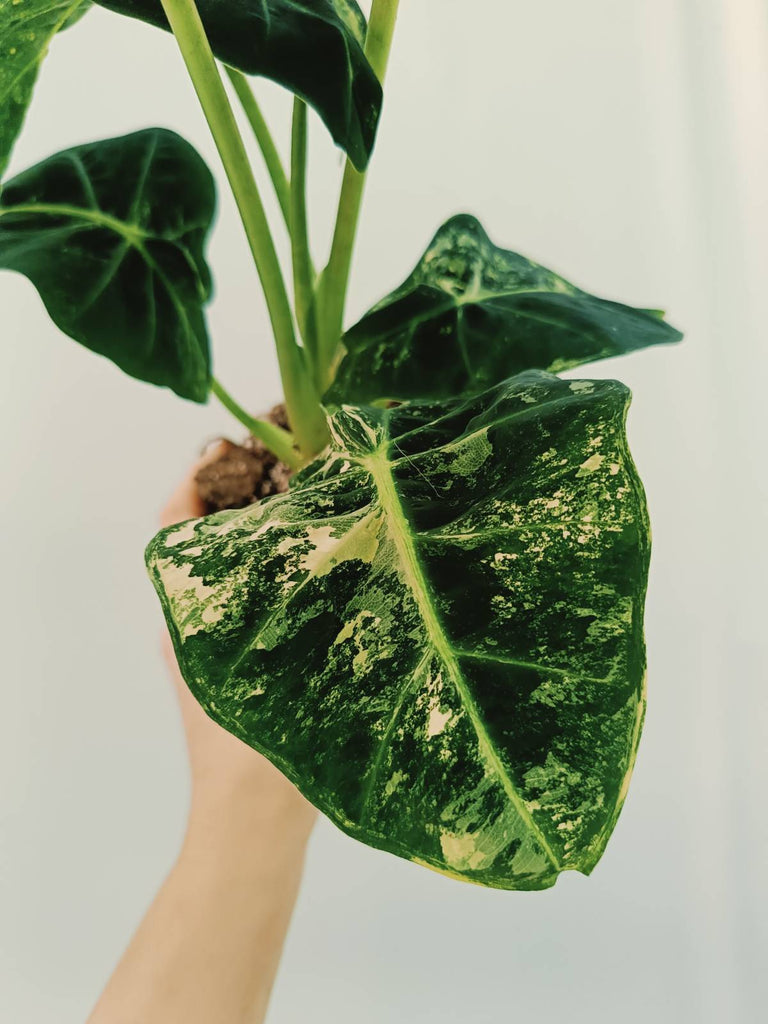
{"x":335,"y":278}
{"x":304,"y":410}
{"x":303,"y":271}
{"x":279,"y":441}
{"x":263,"y":137}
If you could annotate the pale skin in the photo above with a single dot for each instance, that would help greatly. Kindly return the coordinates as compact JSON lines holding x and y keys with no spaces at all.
{"x":209,"y":946}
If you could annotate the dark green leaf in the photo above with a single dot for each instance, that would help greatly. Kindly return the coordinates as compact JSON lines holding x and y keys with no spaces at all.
{"x":312,"y":47}
{"x":26,"y":30}
{"x":471,"y":315}
{"x":437,"y":633}
{"x":111,"y":234}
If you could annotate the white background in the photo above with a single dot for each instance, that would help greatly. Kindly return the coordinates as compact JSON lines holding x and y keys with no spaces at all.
{"x":623,"y":144}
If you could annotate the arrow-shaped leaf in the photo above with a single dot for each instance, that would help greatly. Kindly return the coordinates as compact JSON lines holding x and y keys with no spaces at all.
{"x":312,"y":47}
{"x":112,"y":234}
{"x":472,"y":314}
{"x":437,"y":633}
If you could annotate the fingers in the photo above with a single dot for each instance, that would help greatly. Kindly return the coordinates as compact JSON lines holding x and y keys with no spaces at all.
{"x":185,"y":502}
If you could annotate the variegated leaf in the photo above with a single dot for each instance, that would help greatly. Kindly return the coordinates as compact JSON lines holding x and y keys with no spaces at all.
{"x":437,"y":633}
{"x":472,"y":314}
{"x":26,"y":30}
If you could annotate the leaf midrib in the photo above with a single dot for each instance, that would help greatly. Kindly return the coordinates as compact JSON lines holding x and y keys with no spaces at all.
{"x":398,"y":526}
{"x":447,"y":303}
{"x":133,"y":233}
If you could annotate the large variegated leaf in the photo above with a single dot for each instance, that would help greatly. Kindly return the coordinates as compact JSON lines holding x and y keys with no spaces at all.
{"x":112,"y":234}
{"x":26,"y":30}
{"x":312,"y":47}
{"x":472,"y":314}
{"x":437,"y":633}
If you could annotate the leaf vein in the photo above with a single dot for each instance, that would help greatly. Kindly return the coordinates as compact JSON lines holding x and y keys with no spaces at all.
{"x":400,"y":531}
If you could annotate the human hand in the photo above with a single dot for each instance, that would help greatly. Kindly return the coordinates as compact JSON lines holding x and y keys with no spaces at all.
{"x":230,"y":781}
{"x":210,"y":944}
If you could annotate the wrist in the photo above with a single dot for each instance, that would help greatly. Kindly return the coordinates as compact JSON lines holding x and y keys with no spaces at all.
{"x":247,"y":816}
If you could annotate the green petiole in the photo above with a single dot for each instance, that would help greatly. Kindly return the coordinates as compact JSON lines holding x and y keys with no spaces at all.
{"x":303,"y":271}
{"x":335,"y":278}
{"x":304,"y":410}
{"x":266,"y":143}
{"x":279,"y":441}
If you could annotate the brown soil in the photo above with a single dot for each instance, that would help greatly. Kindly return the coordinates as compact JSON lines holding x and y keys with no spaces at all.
{"x":243,"y":473}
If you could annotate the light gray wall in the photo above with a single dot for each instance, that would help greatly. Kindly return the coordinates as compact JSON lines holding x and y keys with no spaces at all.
{"x":623,"y":144}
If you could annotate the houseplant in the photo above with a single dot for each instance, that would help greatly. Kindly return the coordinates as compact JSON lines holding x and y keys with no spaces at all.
{"x":437,"y":632}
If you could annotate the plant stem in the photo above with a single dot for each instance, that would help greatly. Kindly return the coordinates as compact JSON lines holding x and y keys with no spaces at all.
{"x":304,"y":410}
{"x":279,"y":441}
{"x":335,"y":280}
{"x":303,"y":272}
{"x":253,"y":113}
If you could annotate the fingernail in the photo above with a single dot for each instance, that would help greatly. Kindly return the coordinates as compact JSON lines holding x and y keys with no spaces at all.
{"x":216,"y":446}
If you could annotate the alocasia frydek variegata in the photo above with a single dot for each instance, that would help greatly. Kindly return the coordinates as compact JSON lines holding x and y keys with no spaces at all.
{"x":437,"y":633}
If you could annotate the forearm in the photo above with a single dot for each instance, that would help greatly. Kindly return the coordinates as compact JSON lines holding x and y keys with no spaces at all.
{"x":209,"y":946}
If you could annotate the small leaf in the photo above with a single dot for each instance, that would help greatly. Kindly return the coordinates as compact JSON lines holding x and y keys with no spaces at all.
{"x":437,"y":633}
{"x":471,"y":315}
{"x":26,"y":30}
{"x":312,"y":47}
{"x":111,"y":234}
